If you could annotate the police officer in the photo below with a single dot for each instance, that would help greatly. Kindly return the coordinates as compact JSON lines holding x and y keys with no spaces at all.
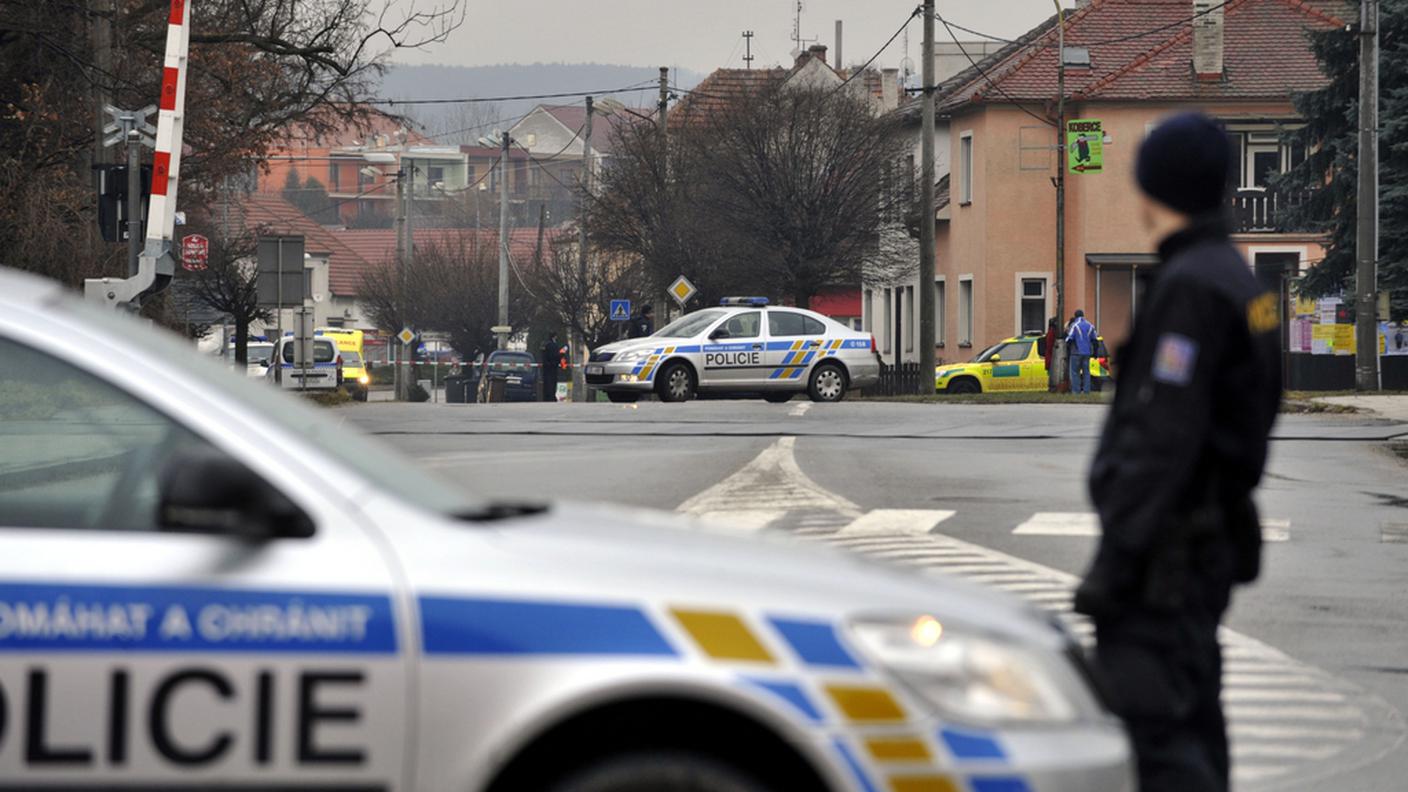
{"x":644,"y":324}
{"x":1183,"y":447}
{"x":550,"y":357}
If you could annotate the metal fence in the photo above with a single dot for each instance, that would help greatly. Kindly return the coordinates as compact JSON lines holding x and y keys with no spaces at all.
{"x":901,"y":380}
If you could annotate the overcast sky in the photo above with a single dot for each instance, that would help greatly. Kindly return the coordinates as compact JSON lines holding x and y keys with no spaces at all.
{"x":702,"y":35}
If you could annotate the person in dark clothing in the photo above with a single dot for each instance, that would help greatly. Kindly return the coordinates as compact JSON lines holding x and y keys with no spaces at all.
{"x":644,"y":323}
{"x":1183,"y":448}
{"x":1053,"y":325}
{"x":550,"y":358}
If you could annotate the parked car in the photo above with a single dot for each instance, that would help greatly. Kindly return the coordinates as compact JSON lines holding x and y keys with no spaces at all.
{"x":519,"y":370}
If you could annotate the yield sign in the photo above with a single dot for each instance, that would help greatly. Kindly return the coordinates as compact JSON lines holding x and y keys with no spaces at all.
{"x":682,"y":290}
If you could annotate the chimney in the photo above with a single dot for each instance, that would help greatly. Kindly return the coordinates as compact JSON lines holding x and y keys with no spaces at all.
{"x":1207,"y":40}
{"x":818,"y":51}
{"x":890,"y":88}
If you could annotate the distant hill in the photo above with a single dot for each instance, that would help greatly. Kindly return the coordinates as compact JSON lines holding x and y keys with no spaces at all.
{"x":513,"y":79}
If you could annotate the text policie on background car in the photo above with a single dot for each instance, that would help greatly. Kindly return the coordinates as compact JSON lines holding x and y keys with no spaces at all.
{"x":208,"y":583}
{"x":742,"y":347}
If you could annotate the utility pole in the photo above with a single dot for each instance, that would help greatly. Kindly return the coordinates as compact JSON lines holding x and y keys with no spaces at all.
{"x":103,"y":17}
{"x":927,"y":335}
{"x":400,"y":352}
{"x":503,"y":240}
{"x":748,"y":49}
{"x":1058,"y":359}
{"x":664,"y":95}
{"x":408,"y":372}
{"x":579,"y":341}
{"x":134,"y":201}
{"x":836,"y":58}
{"x":1366,"y":246}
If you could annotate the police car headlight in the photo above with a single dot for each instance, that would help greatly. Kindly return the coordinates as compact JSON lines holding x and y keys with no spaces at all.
{"x":630,"y":357}
{"x":970,"y":677}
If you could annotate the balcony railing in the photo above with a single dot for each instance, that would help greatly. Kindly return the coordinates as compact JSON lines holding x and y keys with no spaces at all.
{"x":1259,"y":210}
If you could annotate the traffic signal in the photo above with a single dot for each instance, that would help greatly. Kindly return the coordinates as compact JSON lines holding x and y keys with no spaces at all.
{"x":112,"y":200}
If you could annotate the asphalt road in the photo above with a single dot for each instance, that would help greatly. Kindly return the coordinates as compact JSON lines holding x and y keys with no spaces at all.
{"x":1318,"y":664}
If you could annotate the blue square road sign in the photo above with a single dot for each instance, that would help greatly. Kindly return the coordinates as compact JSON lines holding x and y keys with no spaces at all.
{"x":620,"y":310}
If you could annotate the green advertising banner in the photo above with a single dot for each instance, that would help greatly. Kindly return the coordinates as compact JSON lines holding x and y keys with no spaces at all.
{"x":1085,"y":146}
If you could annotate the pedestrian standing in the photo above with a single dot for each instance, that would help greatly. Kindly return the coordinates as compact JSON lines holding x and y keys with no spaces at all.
{"x":644,"y":324}
{"x":1080,"y":340}
{"x":549,"y":358}
{"x":1182,"y":450}
{"x":1049,"y":351}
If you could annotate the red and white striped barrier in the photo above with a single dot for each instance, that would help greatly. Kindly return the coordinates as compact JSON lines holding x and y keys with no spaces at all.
{"x":166,"y":162}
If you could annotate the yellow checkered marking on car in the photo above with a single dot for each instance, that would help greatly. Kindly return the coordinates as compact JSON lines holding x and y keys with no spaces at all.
{"x":898,"y":749}
{"x":922,"y":783}
{"x":866,"y":704}
{"x":722,"y":636}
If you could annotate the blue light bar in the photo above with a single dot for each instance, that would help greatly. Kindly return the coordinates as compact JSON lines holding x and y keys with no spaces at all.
{"x":755,"y":301}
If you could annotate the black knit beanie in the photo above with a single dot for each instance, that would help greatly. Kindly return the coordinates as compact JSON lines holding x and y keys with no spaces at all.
{"x":1185,"y":164}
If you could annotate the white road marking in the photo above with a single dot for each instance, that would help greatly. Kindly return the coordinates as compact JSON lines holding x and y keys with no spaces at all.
{"x":799,"y":409}
{"x":1284,"y":717}
{"x":896,"y":521}
{"x":1088,"y":524}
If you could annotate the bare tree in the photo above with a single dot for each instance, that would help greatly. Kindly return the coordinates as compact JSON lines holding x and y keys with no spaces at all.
{"x":787,"y":192}
{"x":567,"y":295}
{"x":229,"y":283}
{"x":257,"y":68}
{"x":459,"y":124}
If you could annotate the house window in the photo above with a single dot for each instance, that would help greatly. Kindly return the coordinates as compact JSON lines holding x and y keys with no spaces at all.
{"x":888,"y":329}
{"x":333,"y":168}
{"x":308,"y":282}
{"x":939,"y":312}
{"x":469,"y":174}
{"x":1033,"y":309}
{"x":965,"y":312}
{"x":965,"y":172}
{"x":909,"y":318}
{"x":435,"y":173}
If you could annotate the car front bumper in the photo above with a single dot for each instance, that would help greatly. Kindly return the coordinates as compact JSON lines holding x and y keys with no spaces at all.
{"x":616,"y":376}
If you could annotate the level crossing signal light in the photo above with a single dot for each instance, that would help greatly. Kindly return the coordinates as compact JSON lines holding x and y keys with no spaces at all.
{"x":112,"y":200}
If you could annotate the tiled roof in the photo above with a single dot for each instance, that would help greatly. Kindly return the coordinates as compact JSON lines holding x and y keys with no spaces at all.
{"x":270,"y":213}
{"x":344,"y":133}
{"x":1266,"y":54}
{"x":377,"y":246}
{"x":721,"y":89}
{"x":604,"y":125}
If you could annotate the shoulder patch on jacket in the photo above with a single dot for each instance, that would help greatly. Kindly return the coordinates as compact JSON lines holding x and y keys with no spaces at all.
{"x":1262,"y":316}
{"x":1175,"y":358}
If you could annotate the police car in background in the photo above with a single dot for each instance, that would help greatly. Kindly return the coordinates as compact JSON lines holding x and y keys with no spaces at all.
{"x":205,"y":583}
{"x":743,"y":346}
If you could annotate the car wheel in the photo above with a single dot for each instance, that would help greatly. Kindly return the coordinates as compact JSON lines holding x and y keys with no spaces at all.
{"x":659,"y":772}
{"x":360,"y":395}
{"x":779,"y":398}
{"x":676,"y":383}
{"x":964,"y":385}
{"x":828,"y":383}
{"x":622,"y":397}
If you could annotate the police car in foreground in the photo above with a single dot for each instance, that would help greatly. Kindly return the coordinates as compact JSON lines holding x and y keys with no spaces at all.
{"x":206,"y":583}
{"x":742,"y":346}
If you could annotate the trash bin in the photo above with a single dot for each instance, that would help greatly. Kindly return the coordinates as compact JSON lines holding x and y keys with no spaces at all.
{"x":498,"y":388}
{"x":457,"y":389}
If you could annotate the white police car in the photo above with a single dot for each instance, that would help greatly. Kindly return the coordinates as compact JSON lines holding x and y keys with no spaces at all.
{"x":742,"y":346}
{"x":207,"y":584}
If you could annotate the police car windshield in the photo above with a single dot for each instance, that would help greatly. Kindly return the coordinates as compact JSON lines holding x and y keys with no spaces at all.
{"x":692,"y":325}
{"x":379,"y":465}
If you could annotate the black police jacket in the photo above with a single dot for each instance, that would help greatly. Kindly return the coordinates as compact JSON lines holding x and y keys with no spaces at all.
{"x":641,"y":327}
{"x":1198,"y":389}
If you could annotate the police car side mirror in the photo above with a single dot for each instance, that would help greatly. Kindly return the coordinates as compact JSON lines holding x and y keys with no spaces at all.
{"x":719,"y":333}
{"x":203,"y":490}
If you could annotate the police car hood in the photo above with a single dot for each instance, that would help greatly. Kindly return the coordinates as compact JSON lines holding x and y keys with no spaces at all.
{"x":613,"y":553}
{"x":648,"y":342}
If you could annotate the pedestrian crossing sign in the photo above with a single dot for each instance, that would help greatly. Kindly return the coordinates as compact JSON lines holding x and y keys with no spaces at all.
{"x":620,"y":310}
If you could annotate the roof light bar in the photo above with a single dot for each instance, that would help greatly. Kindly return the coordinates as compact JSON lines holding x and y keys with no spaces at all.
{"x":754,"y":301}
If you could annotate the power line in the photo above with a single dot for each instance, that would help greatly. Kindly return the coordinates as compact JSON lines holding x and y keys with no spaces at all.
{"x":989,"y":80}
{"x":1115,"y":40}
{"x":476,"y":99}
{"x":856,"y":73}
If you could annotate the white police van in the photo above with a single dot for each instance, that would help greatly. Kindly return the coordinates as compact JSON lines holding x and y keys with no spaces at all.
{"x":742,"y":346}
{"x":207,"y":584}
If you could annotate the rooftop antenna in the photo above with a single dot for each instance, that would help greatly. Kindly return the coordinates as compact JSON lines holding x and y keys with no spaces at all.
{"x":797,"y":32}
{"x":748,"y":49}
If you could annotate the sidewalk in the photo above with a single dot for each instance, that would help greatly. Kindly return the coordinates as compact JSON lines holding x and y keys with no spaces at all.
{"x":1393,"y":407}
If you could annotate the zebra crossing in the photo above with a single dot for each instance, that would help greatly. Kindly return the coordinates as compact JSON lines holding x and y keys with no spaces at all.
{"x":1289,"y":723}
